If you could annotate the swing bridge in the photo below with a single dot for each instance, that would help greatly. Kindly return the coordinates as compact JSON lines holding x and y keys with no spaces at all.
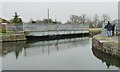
{"x":55,"y":29}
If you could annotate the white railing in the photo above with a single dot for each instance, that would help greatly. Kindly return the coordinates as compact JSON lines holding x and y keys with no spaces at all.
{"x":54,"y":27}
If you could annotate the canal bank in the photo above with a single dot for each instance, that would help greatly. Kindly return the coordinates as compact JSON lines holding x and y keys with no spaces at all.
{"x":105,"y":58}
{"x":108,"y":45}
{"x":94,"y":31}
{"x":12,"y":37}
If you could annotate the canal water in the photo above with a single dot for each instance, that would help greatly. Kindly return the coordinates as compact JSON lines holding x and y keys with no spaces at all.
{"x":63,"y":54}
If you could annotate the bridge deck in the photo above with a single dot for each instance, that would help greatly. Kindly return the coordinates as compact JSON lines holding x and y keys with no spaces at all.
{"x":46,"y":33}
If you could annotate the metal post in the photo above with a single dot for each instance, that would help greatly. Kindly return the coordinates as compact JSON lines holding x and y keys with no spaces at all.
{"x":48,"y":20}
{"x":48,"y":16}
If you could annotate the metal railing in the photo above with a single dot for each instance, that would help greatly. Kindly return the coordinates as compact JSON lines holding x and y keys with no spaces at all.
{"x":54,"y":27}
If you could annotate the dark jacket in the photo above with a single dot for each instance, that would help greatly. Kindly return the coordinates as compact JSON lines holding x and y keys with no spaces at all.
{"x":113,"y":27}
{"x":108,"y":27}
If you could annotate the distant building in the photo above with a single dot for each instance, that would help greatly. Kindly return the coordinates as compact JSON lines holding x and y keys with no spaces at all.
{"x":4,"y":21}
{"x":5,"y":24}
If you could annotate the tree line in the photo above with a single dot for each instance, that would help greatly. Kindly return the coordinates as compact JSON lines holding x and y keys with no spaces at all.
{"x":94,"y":22}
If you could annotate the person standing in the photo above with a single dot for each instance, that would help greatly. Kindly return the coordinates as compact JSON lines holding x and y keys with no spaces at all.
{"x":113,"y":29}
{"x":109,"y":29}
{"x":104,"y":30}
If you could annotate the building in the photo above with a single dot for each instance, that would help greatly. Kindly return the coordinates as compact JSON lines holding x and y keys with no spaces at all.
{"x":3,"y":24}
{"x":4,"y":21}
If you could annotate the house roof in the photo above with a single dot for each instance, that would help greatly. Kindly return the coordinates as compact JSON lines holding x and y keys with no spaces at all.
{"x":4,"y":21}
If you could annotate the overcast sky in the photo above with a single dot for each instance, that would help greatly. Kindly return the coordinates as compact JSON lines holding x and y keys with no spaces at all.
{"x":58,"y":10}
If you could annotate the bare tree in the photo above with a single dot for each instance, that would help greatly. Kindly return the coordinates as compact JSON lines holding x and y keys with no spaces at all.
{"x":105,"y":18}
{"x":96,"y":20}
{"x":84,"y":18}
{"x":75,"y":19}
{"x":79,"y":19}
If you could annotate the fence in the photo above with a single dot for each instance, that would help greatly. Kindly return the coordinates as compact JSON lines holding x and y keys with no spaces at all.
{"x":46,"y":27}
{"x":16,"y":27}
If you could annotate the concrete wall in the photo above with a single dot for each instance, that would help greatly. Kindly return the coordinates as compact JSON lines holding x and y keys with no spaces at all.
{"x":106,"y":48}
{"x":15,"y":37}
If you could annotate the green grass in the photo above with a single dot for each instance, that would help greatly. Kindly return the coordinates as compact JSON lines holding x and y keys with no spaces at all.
{"x":100,"y":37}
{"x":95,"y":29}
{"x":7,"y":33}
{"x":107,"y":39}
{"x":112,"y":43}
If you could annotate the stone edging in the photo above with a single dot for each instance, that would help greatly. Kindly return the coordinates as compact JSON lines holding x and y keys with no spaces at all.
{"x":106,"y":48}
{"x":15,"y":37}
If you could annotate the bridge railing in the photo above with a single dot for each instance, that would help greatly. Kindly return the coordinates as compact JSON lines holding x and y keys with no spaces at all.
{"x":54,"y":27}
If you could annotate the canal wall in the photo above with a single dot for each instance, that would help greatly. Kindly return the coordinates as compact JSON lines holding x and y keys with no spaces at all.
{"x":108,"y":45}
{"x":12,"y":38}
{"x":109,"y":60}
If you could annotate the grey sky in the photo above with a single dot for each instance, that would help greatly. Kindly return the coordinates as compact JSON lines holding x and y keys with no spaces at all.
{"x":58,"y":10}
{"x":0,"y":9}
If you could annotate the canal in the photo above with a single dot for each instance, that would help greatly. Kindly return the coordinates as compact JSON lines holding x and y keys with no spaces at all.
{"x":62,"y":54}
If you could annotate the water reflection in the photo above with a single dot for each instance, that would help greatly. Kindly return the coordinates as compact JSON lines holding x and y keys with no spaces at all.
{"x":109,"y":60}
{"x":63,"y":54}
{"x":16,"y":47}
{"x":41,"y":47}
